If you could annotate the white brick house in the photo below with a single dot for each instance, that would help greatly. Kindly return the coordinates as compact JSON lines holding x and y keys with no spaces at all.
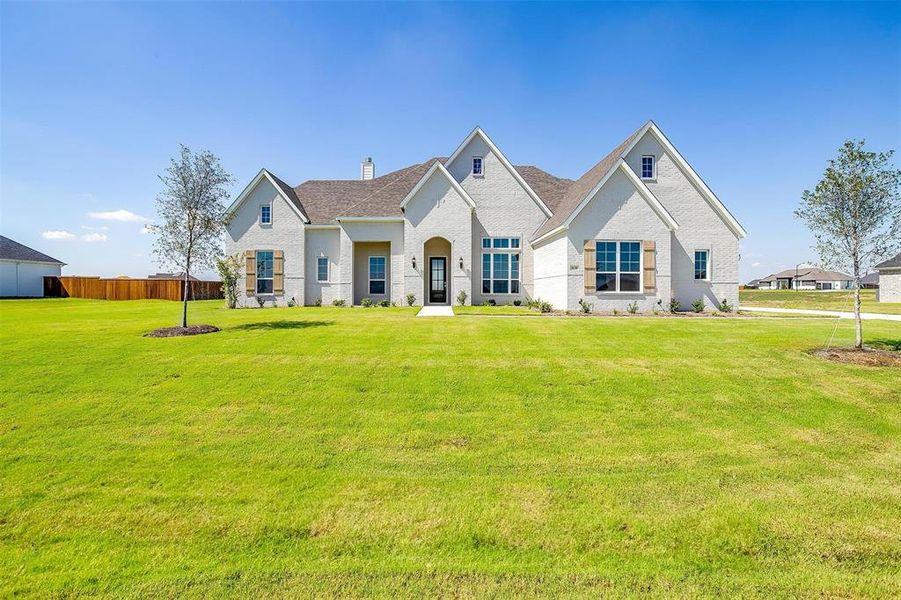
{"x":640,"y":226}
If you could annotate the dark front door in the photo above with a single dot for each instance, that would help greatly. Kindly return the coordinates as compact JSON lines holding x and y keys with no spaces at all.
{"x":438,"y":279}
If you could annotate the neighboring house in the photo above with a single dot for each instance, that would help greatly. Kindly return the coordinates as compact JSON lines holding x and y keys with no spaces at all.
{"x":870,"y":281}
{"x":890,"y":280}
{"x":807,"y":277}
{"x":22,"y":269}
{"x":639,"y":226}
{"x":753,"y":284}
{"x":179,"y":276}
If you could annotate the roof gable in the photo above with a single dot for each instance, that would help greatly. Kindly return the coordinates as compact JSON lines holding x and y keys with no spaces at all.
{"x":438,"y":168}
{"x":283,"y":189}
{"x":706,"y":192}
{"x":477,"y":132}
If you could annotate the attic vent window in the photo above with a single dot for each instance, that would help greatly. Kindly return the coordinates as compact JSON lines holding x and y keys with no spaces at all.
{"x":647,"y":167}
{"x":266,"y":214}
{"x":477,"y":166}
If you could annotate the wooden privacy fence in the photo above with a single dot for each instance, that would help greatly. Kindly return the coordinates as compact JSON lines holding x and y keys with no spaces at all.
{"x":129,"y":289}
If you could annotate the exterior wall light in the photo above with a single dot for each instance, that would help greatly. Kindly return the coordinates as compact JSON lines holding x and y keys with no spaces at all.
{"x":414,"y":263}
{"x":461,"y":263}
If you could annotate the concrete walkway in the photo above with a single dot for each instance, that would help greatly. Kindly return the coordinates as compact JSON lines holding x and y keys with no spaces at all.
{"x":435,"y":311}
{"x":821,"y":313}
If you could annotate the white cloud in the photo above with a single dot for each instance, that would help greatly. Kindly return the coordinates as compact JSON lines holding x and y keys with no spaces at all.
{"x":58,"y":235}
{"x":100,"y":228}
{"x":123,"y":215}
{"x":94,"y":237}
{"x":755,"y":264}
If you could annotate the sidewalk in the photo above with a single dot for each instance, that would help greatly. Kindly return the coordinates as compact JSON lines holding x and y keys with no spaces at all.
{"x":436,"y":311}
{"x":822,"y":313}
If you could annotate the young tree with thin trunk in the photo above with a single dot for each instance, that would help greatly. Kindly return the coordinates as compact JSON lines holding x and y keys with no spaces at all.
{"x":191,"y":210}
{"x":854,"y":213}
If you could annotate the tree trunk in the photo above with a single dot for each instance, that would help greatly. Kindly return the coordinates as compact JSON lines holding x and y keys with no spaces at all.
{"x":858,"y":327}
{"x":184,"y":309}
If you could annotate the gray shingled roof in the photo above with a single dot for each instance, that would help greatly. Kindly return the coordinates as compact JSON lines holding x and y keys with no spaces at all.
{"x":891,"y":263}
{"x":870,"y":279}
{"x":809,"y":274}
{"x":13,"y":250}
{"x":324,"y":200}
{"x":577,"y":191}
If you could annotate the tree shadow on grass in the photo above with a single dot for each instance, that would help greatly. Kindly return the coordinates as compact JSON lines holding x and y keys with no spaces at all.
{"x":279,"y":325}
{"x":885,"y":344}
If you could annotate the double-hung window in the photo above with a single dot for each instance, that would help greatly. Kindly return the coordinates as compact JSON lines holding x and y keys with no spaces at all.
{"x":264,"y":271}
{"x":322,"y":269}
{"x":702,"y":264}
{"x":265,"y":214}
{"x":477,"y":166}
{"x":376,"y":274}
{"x":647,"y":167}
{"x":500,"y":265}
{"x":618,"y":266}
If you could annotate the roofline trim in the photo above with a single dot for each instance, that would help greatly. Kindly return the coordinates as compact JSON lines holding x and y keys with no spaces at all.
{"x":35,"y":262}
{"x":507,"y":164}
{"x":437,"y":166}
{"x":264,"y":174}
{"x":693,"y":176}
{"x":370,"y":219}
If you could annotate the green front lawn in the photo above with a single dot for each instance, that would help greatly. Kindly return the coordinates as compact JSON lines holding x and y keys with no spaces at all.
{"x":842,"y":300}
{"x":360,"y":451}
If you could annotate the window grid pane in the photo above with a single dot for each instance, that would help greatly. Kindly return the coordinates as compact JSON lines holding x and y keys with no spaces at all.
{"x":322,"y":268}
{"x":500,"y":266}
{"x":265,"y":214}
{"x":700,"y":264}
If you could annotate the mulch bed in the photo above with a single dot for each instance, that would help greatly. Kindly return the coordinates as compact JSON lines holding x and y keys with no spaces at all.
{"x":165,"y":332}
{"x":869,"y":357}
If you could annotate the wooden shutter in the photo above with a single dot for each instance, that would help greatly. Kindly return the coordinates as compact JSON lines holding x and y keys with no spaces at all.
{"x":590,"y":266}
{"x":649,"y":247}
{"x":250,"y":270}
{"x":278,"y":272}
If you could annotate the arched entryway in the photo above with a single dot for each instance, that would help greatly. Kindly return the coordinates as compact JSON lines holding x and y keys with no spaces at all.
{"x":437,"y":279}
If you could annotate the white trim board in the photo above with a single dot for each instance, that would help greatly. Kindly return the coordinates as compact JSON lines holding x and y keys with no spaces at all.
{"x":692,"y":175}
{"x":507,"y":164}
{"x":438,"y":167}
{"x":263,"y":174}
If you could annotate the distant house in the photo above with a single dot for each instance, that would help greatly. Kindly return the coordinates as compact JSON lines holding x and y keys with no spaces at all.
{"x":22,"y":269}
{"x":890,"y":279}
{"x":753,"y":284}
{"x":870,"y":281}
{"x":807,"y":277}
{"x":179,"y":276}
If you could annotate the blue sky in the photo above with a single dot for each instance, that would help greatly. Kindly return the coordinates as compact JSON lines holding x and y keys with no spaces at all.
{"x":95,"y":98}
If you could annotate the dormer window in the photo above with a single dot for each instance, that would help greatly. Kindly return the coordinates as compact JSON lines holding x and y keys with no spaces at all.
{"x":477,"y":166}
{"x":647,"y":167}
{"x":265,"y":214}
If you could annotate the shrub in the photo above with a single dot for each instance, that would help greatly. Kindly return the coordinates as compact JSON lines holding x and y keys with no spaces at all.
{"x":384,"y":303}
{"x":317,"y":302}
{"x":260,"y":300}
{"x":585,"y":305}
{"x":292,"y":302}
{"x":674,"y":305}
{"x":338,"y":302}
{"x":615,"y":311}
{"x":461,"y":298}
{"x":724,"y":306}
{"x":229,"y":269}
{"x":411,"y":299}
{"x":542,"y":306}
{"x":633,"y":308}
{"x":517,"y":302}
{"x":492,"y":302}
{"x":698,"y":305}
{"x":366,"y":302}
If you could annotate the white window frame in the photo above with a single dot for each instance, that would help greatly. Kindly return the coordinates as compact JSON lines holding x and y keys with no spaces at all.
{"x":618,"y":272}
{"x":481,"y":160}
{"x":327,"y":269}
{"x":269,"y":222}
{"x":491,"y":251}
{"x":384,"y":279}
{"x":653,"y":176}
{"x":256,"y":258}
{"x":694,"y":259}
